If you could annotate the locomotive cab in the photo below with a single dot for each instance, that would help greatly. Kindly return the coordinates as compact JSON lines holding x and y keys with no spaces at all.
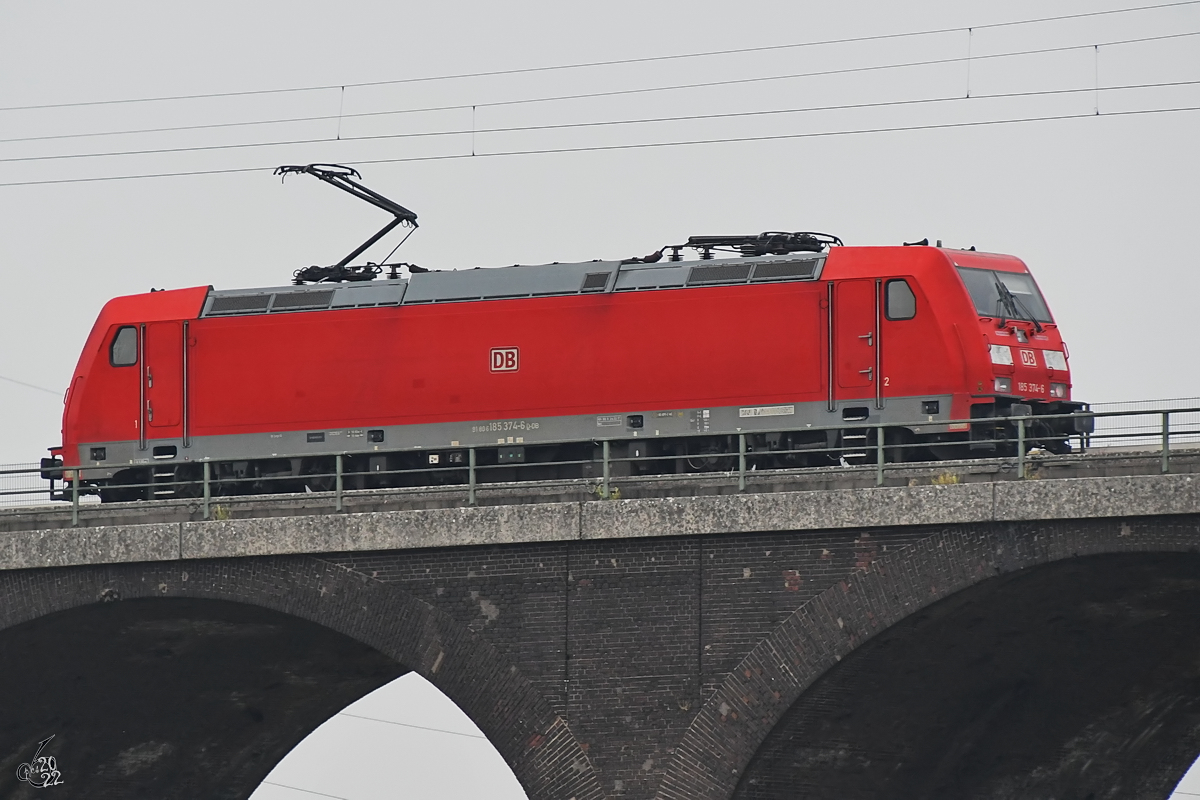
{"x":1026,"y":370}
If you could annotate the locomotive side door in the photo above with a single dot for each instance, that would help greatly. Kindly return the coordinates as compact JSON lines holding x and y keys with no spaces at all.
{"x":856,"y":338}
{"x":162,"y":377}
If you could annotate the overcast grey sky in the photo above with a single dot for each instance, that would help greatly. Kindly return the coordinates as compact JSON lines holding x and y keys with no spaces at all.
{"x":1102,"y":207}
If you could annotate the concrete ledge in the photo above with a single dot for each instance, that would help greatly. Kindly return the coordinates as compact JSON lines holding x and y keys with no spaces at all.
{"x":70,"y":547}
{"x":1073,"y":498}
{"x":385,"y":530}
{"x":842,"y":508}
{"x":1085,"y":498}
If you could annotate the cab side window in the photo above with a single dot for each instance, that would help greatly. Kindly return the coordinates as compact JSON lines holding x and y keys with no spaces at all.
{"x":900,"y":301}
{"x":124,"y":349}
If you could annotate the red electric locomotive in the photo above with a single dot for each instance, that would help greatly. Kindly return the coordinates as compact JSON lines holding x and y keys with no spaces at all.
{"x":796,"y":341}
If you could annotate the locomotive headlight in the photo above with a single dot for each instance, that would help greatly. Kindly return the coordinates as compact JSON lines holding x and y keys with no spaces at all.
{"x":1058,"y":390}
{"x":1055,"y":360}
{"x":1001,"y":354}
{"x":1004,"y":385}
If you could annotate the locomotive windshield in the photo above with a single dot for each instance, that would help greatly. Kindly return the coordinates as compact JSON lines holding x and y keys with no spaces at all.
{"x":1005,"y":294}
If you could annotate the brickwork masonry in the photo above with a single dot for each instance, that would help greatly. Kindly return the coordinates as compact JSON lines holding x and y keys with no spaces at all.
{"x":616,"y":649}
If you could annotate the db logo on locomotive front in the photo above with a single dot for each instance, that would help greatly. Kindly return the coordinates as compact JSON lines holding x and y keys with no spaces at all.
{"x":1029,"y":358}
{"x":506,"y":359}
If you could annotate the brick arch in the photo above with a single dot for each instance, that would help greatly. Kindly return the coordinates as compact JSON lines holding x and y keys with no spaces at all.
{"x":735,"y":721}
{"x":537,"y":744}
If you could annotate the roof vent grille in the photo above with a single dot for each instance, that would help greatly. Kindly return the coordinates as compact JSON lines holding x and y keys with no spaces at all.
{"x":721,"y":273}
{"x":239,"y":304}
{"x":595,"y":281}
{"x":302,"y":301}
{"x":805,"y":269}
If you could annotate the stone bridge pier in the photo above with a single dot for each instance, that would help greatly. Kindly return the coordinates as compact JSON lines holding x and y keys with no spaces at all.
{"x":1035,"y":639}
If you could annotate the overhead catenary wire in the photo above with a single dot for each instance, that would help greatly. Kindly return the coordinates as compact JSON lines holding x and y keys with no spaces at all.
{"x":779,"y":137}
{"x":374,"y":719}
{"x":591,"y":64}
{"x":819,"y":73}
{"x":637,"y":146}
{"x":410,"y":725}
{"x":580,"y":96}
{"x":30,"y":386}
{"x":609,"y":123}
{"x":306,"y":791}
{"x":326,"y":117}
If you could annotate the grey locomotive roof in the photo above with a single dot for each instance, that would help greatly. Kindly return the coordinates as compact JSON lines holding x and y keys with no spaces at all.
{"x":543,"y":280}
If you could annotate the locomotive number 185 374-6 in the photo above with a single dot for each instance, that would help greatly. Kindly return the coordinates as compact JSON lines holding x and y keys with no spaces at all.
{"x":506,"y":425}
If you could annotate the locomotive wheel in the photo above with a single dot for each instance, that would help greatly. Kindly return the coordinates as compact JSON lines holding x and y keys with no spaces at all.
{"x":189,"y":480}
{"x":1059,"y":447}
{"x":954,"y":451}
{"x":898,"y":445}
{"x":708,"y":456}
{"x":114,"y":494}
{"x":318,"y":475}
{"x":1053,"y":441}
{"x":118,"y":490}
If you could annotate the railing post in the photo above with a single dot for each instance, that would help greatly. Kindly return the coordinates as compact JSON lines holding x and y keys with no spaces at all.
{"x":75,"y":498}
{"x":879,"y":437}
{"x":741,"y":462}
{"x":607,"y":469}
{"x":1166,"y":441}
{"x":207,"y":487}
{"x":337,"y":485}
{"x":1020,"y":447}
{"x":471,"y":476}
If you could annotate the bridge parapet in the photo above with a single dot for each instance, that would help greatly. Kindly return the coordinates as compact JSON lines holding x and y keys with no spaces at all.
{"x":578,"y":520}
{"x":1090,"y":465}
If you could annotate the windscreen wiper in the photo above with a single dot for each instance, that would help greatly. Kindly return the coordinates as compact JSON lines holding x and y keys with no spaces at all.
{"x":1014,"y":304}
{"x":1004,"y":304}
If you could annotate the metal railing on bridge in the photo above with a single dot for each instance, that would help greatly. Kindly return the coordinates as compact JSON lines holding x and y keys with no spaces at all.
{"x":1143,"y":430}
{"x":22,"y":484}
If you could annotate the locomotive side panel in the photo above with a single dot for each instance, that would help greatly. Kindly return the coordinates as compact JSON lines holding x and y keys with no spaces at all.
{"x":569,"y":355}
{"x":916,"y":358}
{"x":294,"y":370}
{"x":894,"y":312}
{"x":163,"y":355}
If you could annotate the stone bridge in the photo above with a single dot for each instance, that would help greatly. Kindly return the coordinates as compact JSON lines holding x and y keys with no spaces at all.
{"x":989,"y":639}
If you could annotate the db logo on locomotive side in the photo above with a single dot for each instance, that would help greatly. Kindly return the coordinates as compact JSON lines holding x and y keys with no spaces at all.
{"x":1029,"y":358}
{"x":506,"y":359}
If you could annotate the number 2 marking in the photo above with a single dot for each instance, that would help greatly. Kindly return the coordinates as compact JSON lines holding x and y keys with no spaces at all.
{"x":887,"y":381}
